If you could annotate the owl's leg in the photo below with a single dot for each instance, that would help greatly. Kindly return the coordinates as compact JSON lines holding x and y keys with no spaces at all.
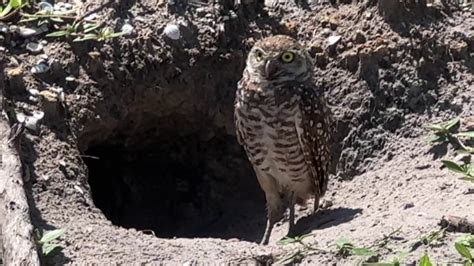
{"x":275,"y":212}
{"x":275,"y":206}
{"x":291,"y":220}
{"x":316,"y":203}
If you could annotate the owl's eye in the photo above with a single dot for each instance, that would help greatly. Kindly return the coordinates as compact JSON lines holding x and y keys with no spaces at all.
{"x":287,"y":57}
{"x":259,"y":55}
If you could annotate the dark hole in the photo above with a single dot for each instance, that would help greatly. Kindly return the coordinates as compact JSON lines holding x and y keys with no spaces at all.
{"x":178,"y":188}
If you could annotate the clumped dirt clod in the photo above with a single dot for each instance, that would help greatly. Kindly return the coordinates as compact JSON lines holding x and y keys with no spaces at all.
{"x":142,"y":149}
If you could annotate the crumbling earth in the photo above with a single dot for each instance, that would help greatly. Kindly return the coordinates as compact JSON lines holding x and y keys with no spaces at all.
{"x":136,"y":156}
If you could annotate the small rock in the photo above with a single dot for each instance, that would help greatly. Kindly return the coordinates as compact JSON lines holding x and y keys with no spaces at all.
{"x":360,"y":37}
{"x":33,"y":92}
{"x":34,"y":47}
{"x":127,"y":29}
{"x":333,"y":23}
{"x":33,"y":99}
{"x":70,"y":78}
{"x":326,"y":32}
{"x":326,"y":204}
{"x":333,"y":40}
{"x":31,"y":122}
{"x":469,"y":191}
{"x":315,"y":48}
{"x":44,"y":28}
{"x":44,"y":42}
{"x":68,"y":5}
{"x":172,"y":31}
{"x":408,"y":205}
{"x":91,"y":17}
{"x":40,"y":68}
{"x":2,"y":49}
{"x":3,"y":28}
{"x":45,"y":6}
{"x":79,"y":189}
{"x":26,"y":32}
{"x":139,"y":18}
{"x":320,"y":59}
{"x":352,"y":60}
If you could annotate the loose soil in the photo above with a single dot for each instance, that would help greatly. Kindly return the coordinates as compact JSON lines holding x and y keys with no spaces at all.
{"x":140,"y":162}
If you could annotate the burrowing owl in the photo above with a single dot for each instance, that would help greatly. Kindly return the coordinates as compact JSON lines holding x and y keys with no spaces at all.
{"x":284,"y":125}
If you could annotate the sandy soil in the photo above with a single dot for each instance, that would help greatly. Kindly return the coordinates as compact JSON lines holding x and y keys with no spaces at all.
{"x":171,"y":184}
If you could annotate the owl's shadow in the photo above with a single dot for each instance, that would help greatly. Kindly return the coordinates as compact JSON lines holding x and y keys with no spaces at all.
{"x":324,"y":219}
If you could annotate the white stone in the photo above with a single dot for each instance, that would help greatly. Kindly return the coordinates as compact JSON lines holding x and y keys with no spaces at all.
{"x":332,"y":40}
{"x":172,"y":31}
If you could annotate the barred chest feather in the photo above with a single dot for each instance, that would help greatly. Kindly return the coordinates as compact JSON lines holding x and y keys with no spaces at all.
{"x":269,"y":123}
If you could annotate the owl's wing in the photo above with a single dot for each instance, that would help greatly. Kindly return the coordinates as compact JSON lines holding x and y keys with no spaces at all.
{"x":237,"y":122}
{"x":315,"y":134}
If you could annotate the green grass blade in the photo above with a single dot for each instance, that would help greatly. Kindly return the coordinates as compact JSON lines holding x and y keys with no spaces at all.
{"x":468,"y":134}
{"x":463,"y":250}
{"x":6,"y":10}
{"x":454,"y":166}
{"x":51,"y":235}
{"x":425,"y":261}
{"x":451,"y":123}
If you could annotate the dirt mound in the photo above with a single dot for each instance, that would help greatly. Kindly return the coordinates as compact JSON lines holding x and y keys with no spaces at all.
{"x":136,"y":156}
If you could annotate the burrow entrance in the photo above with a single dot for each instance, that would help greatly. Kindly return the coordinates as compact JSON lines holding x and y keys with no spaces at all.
{"x":177,"y":186}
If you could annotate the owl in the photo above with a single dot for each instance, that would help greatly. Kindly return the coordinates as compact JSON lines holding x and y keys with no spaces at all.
{"x":285,"y":127}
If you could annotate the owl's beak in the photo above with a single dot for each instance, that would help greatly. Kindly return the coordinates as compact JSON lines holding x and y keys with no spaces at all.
{"x":270,"y":68}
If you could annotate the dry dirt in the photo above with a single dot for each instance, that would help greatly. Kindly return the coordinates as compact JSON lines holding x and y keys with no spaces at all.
{"x":141,"y":165}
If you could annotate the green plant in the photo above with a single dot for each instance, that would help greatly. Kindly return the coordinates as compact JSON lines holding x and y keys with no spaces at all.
{"x":443,"y":130}
{"x":425,"y":260}
{"x":12,"y":8}
{"x":467,"y":240}
{"x":103,"y":34}
{"x":462,"y":246}
{"x":430,"y":239}
{"x":68,"y":30}
{"x":47,"y":239}
{"x":346,"y":248}
{"x":395,"y":261}
{"x":467,"y":170}
{"x":299,"y":254}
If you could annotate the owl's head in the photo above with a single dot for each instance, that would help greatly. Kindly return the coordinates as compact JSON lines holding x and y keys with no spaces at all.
{"x":279,"y":58}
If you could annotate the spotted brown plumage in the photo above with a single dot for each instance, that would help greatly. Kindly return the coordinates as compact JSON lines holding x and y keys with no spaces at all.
{"x":284,"y":125}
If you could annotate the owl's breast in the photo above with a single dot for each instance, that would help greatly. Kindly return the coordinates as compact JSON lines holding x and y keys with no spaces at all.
{"x":270,"y":137}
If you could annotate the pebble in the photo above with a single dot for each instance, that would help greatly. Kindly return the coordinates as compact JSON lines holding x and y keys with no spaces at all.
{"x":39,"y":68}
{"x":360,"y":37}
{"x":326,"y":32}
{"x":68,"y":5}
{"x":34,"y":47}
{"x":127,"y":28}
{"x":91,"y":17}
{"x":70,"y":78}
{"x":139,"y":18}
{"x":31,"y":122}
{"x":333,"y":40}
{"x":45,"y":6}
{"x":408,"y":205}
{"x":3,"y":28}
{"x":33,"y":92}
{"x":172,"y":31}
{"x":26,"y":32}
